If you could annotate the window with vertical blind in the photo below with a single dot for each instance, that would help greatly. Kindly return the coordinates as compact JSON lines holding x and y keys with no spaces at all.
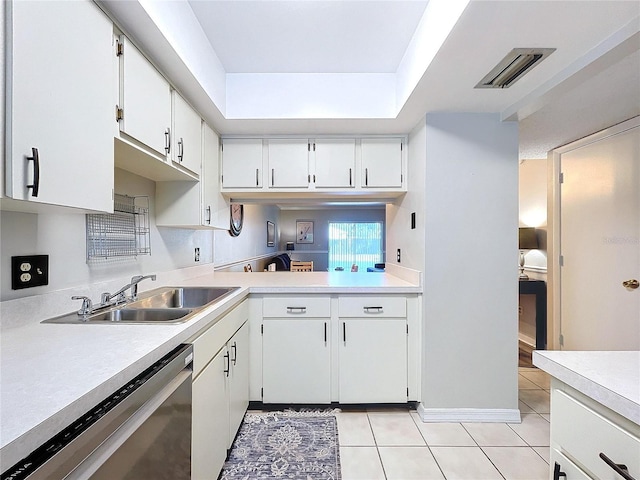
{"x":359,"y":243}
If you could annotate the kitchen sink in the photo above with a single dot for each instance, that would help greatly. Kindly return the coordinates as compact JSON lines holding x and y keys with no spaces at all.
{"x":181,"y":297}
{"x":164,"y":305}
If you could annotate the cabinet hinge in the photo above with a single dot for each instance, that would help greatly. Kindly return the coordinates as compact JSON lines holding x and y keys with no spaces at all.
{"x":561,"y":260}
{"x":407,"y":329}
{"x":561,"y":340}
{"x":308,"y":147}
{"x":119,"y":48}
{"x":222,"y":147}
{"x":314,"y":146}
{"x":561,"y":177}
{"x":119,"y":113}
{"x":222,"y":179}
{"x":400,"y":146}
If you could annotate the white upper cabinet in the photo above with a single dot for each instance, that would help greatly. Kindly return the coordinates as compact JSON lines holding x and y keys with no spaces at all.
{"x":145,"y":98}
{"x":381,"y":163}
{"x":187,"y":135}
{"x":288,"y":163}
{"x":60,"y":111}
{"x":334,"y":163}
{"x":241,"y":163}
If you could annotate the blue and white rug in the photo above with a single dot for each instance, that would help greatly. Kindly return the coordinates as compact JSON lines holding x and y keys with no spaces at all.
{"x":285,"y":445}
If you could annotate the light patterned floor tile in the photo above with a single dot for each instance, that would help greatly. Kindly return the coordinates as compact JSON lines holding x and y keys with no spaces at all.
{"x":546,"y":416}
{"x":354,"y":429}
{"x":493,"y":434}
{"x":395,"y":430}
{"x":360,"y":463}
{"x":538,"y":400}
{"x":409,"y":463}
{"x":544,"y":452}
{"x":534,"y":430}
{"x":526,"y":384}
{"x":540,"y":378}
{"x":524,"y":408}
{"x":518,"y":463}
{"x":465,"y":463}
{"x":443,"y":434}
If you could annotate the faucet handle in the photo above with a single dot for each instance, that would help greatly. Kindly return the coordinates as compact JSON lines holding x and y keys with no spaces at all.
{"x":87,"y":305}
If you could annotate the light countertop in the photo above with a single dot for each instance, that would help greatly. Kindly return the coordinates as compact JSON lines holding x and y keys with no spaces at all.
{"x":610,"y":378}
{"x":52,"y":373}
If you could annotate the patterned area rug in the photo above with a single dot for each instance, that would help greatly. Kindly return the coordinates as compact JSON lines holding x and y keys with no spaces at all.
{"x":285,"y":445}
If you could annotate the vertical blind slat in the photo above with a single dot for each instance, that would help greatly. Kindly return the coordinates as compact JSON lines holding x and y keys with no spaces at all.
{"x":354,"y":243}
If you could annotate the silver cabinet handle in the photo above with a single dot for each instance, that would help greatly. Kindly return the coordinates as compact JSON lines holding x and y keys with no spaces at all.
{"x":234,"y":347}
{"x":227,"y":365}
{"x":372,"y":309}
{"x":296,"y":309}
{"x":208,"y":220}
{"x":180,"y":149}
{"x":167,"y":141}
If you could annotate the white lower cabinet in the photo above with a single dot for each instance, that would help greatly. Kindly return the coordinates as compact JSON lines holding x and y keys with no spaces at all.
{"x":373,"y":360}
{"x":588,"y":440}
{"x":220,"y":390}
{"x":296,"y":360}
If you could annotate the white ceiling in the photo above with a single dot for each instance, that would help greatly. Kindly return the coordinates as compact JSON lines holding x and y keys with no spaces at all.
{"x":591,"y":81}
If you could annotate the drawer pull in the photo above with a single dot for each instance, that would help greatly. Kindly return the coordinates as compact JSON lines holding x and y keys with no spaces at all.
{"x":227,"y":364}
{"x":557,"y":473}
{"x":373,"y":309}
{"x":296,"y":309}
{"x":234,"y":347}
{"x":620,"y":469}
{"x":35,"y":186}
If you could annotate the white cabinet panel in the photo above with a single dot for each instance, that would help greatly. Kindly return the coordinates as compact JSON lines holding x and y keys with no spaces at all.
{"x":238,"y":379}
{"x":288,"y":163}
{"x":241,"y":163}
{"x":187,"y":135}
{"x":146,"y":101}
{"x":373,"y":306}
{"x":381,"y":163}
{"x":296,"y":361}
{"x":210,"y":411}
{"x":59,"y":83}
{"x":373,"y":360}
{"x":296,"y":306}
{"x":335,"y":163}
{"x":561,"y":464}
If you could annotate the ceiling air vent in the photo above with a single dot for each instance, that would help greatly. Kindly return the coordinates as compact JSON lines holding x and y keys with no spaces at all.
{"x":512,"y":67}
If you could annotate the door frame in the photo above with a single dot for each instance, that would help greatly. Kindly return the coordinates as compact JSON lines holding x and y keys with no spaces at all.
{"x":554,"y":157}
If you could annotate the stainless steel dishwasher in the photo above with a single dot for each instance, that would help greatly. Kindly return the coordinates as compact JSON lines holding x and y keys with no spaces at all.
{"x":142,"y":431}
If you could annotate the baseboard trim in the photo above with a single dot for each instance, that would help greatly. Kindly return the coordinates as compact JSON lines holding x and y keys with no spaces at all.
{"x":469,"y":415}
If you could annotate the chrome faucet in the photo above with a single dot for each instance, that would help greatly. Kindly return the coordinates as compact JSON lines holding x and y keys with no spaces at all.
{"x":109,"y":299}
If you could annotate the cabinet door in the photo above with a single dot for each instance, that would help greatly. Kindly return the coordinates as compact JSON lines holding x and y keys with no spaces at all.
{"x":146,"y":101}
{"x":373,"y":360}
{"x":215,"y":209}
{"x":242,"y":163}
{"x":210,"y":419}
{"x":381,"y":163}
{"x":288,"y":163}
{"x":335,"y":163}
{"x":187,"y":135}
{"x":238,"y":379}
{"x":296,"y":361}
{"x":60,"y":80}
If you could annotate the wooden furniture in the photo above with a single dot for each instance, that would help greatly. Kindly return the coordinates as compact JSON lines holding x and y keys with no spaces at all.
{"x":539,"y":289}
{"x":297,"y":266}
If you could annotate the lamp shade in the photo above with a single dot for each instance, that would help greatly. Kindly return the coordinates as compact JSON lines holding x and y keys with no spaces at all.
{"x":527,"y":238}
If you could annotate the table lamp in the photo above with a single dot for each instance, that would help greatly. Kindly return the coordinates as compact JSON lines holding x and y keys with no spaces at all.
{"x":527,"y":240}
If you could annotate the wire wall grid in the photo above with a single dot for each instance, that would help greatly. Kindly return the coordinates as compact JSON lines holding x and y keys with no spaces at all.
{"x":123,"y":233}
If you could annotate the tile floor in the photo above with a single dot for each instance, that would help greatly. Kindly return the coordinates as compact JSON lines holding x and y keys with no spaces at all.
{"x":397,"y":445}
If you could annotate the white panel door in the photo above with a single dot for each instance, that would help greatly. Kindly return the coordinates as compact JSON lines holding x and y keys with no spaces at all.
{"x":381,"y":162}
{"x":288,"y":163}
{"x":146,"y":100}
{"x":210,"y":419}
{"x":60,"y":80}
{"x":373,"y":360}
{"x":242,"y":163}
{"x":296,"y":361}
{"x":600,"y":244}
{"x":238,"y":348}
{"x":335,"y":163}
{"x":187,"y":133}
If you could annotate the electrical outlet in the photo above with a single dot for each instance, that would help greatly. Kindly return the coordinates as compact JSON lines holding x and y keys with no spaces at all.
{"x":29,"y":271}
{"x":197,"y":255}
{"x":398,"y":256}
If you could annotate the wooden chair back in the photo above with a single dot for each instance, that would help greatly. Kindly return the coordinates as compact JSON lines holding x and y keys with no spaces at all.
{"x":297,"y":266}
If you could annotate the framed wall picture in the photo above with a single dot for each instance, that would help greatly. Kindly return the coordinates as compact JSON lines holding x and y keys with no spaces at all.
{"x":304,"y":231}
{"x":271,"y":234}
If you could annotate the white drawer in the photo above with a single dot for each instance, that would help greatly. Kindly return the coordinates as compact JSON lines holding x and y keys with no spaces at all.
{"x":296,"y":306}
{"x":582,"y":434}
{"x":566,"y":466}
{"x":372,"y":306}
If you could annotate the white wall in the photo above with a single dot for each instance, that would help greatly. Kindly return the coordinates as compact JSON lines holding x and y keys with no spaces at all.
{"x":318,"y":250}
{"x":470,"y":301}
{"x":533,"y":212}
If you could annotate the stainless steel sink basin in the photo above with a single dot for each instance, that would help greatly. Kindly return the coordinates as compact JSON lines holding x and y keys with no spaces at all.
{"x":164,"y":305}
{"x":181,"y":297}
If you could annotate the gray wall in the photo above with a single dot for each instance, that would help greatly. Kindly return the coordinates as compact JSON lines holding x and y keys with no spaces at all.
{"x":318,"y":251}
{"x":471,"y":289}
